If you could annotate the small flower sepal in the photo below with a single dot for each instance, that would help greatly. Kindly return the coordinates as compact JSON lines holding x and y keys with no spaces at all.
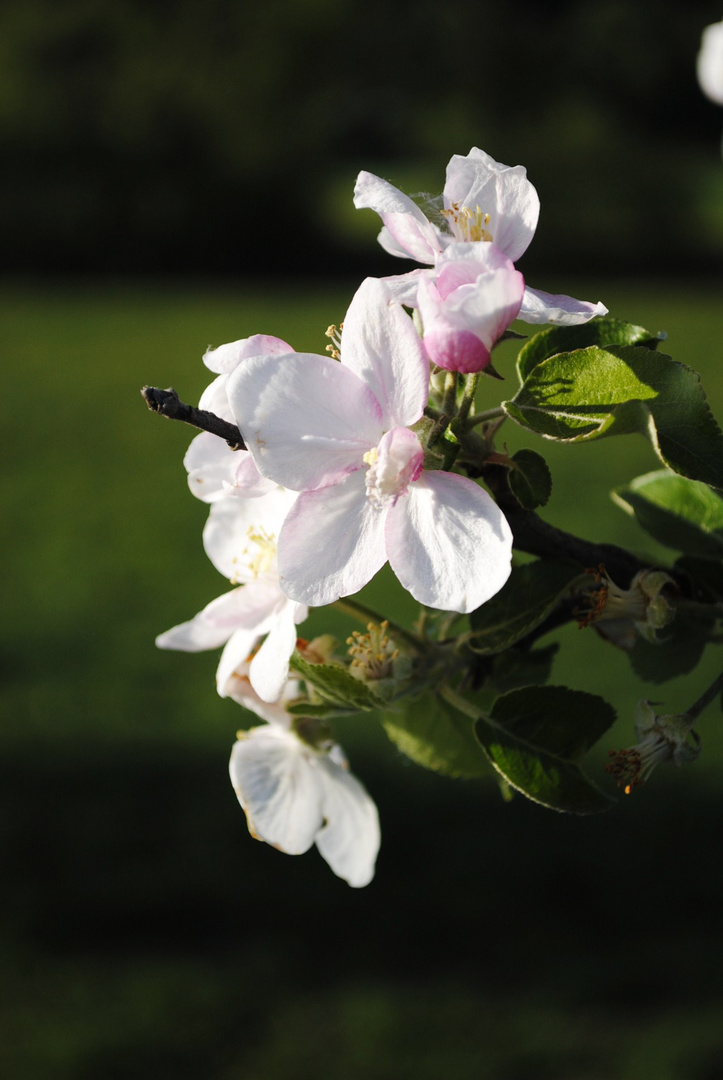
{"x":660,"y":739}
{"x":622,"y":616}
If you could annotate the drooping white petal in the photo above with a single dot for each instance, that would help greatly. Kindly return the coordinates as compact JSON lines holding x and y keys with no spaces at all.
{"x":269,"y":668}
{"x":307,"y":419}
{"x":543,"y":307}
{"x":350,"y":837}
{"x":226,"y":358}
{"x":501,"y":191}
{"x":381,"y":345}
{"x":449,"y":543}
{"x":280,"y":791}
{"x":332,"y":543}
{"x":412,"y":234}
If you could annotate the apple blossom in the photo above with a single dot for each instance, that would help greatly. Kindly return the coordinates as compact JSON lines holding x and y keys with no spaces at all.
{"x":240,"y":540}
{"x":660,"y":739}
{"x":483,"y":201}
{"x":340,"y":434}
{"x":710,"y":62}
{"x":296,"y":790}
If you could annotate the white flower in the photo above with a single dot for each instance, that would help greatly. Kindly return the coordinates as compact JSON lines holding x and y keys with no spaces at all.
{"x":240,"y":539}
{"x":483,"y":201}
{"x":296,"y":790}
{"x":339,"y":433}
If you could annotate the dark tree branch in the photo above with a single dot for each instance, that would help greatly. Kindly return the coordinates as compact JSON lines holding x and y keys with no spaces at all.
{"x":167,"y":403}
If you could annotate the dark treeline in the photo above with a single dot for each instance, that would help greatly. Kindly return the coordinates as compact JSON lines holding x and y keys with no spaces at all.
{"x":146,"y":136}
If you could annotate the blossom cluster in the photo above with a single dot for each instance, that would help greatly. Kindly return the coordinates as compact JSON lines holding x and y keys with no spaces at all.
{"x":350,"y":464}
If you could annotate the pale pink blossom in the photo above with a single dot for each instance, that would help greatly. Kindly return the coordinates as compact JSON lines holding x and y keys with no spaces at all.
{"x":340,"y":434}
{"x":483,"y":201}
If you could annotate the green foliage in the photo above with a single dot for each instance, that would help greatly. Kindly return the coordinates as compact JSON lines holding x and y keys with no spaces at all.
{"x":535,"y":737}
{"x":339,"y":690}
{"x":592,"y":393}
{"x":601,"y":331}
{"x":437,"y":736}
{"x":680,"y":513}
{"x":531,"y":592}
{"x":530,"y":480}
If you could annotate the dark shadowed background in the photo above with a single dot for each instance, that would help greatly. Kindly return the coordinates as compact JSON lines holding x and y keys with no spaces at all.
{"x":176,"y":175}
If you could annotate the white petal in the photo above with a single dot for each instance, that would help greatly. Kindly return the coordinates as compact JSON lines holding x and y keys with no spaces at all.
{"x":502,"y":191}
{"x":234,"y":656}
{"x":449,"y":543}
{"x":306,"y":419}
{"x":278,"y":788}
{"x":332,"y":543}
{"x":710,"y":62}
{"x":350,"y":838}
{"x":412,"y":234}
{"x":269,"y":668}
{"x":381,"y":345}
{"x":215,"y":471}
{"x":543,"y":307}
{"x":210,"y":628}
{"x":214,"y":399}
{"x":226,"y":358}
{"x":239,"y":531}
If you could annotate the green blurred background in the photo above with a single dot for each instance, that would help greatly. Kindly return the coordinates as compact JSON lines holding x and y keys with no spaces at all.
{"x":176,"y":176}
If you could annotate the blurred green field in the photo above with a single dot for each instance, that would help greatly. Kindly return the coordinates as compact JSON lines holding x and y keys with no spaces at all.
{"x":143,"y":933}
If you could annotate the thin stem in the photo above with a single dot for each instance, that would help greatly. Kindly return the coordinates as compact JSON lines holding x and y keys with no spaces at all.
{"x":488,"y":414}
{"x":167,"y":403}
{"x":470,"y":388}
{"x":459,"y":703}
{"x":366,"y":614}
{"x":450,"y":393}
{"x":697,"y":707}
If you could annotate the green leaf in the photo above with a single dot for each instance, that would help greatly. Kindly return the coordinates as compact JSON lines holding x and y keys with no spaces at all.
{"x":514,"y":667}
{"x":558,"y":339}
{"x":530,"y":480}
{"x":335,"y":685}
{"x":435,"y":735}
{"x":678,"y":649}
{"x":534,"y":737}
{"x":595,"y":392}
{"x":680,"y":513}
{"x":528,"y":596}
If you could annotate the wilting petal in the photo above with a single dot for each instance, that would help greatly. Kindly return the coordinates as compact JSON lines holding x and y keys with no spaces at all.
{"x":349,"y":841}
{"x":281,"y":793}
{"x":412,"y":234}
{"x":543,"y":307}
{"x":449,"y":543}
{"x":305,"y":418}
{"x":332,"y":543}
{"x":381,"y":345}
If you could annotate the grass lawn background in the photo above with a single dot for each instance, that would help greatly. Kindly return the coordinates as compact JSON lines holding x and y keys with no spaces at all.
{"x":143,"y":932}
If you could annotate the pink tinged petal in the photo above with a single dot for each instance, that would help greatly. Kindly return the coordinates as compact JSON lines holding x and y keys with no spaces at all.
{"x":449,"y":543}
{"x":411,"y":232}
{"x":502,"y":191}
{"x":217,"y":472}
{"x":332,"y":543}
{"x":350,"y":839}
{"x":398,"y":462}
{"x":542,"y":307}
{"x":307,"y":420}
{"x":212,"y":626}
{"x":226,"y":358}
{"x":456,"y":350}
{"x":403,"y":287}
{"x":269,"y":669}
{"x":380,"y":344}
{"x":278,"y":788}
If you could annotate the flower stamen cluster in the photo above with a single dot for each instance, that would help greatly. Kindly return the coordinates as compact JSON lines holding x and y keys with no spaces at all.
{"x":667,"y":738}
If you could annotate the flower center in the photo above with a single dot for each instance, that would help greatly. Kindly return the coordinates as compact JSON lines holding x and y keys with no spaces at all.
{"x":393,"y":465}
{"x":466,"y":224}
{"x":259,"y":555}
